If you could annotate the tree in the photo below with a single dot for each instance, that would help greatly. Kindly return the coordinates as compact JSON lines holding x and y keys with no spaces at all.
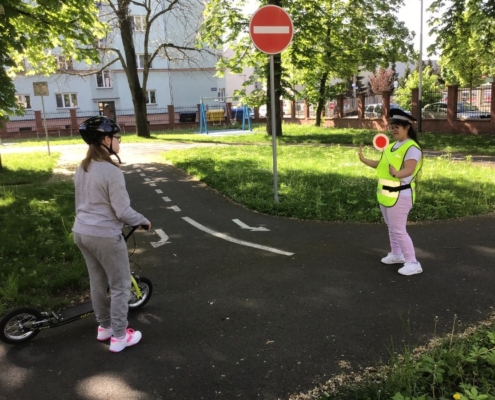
{"x":431,"y":90}
{"x":30,"y":27}
{"x":160,"y":28}
{"x":465,"y":30}
{"x":382,"y":81}
{"x":333,"y":39}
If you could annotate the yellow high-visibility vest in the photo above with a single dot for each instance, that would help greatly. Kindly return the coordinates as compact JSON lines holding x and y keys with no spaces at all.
{"x":396,"y":157}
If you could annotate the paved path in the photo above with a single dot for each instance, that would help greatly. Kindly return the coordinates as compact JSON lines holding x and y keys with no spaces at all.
{"x":232,"y":321}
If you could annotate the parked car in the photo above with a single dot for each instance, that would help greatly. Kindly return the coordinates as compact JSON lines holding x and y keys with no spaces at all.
{"x":375,"y":110}
{"x":238,"y":111}
{"x":464,"y":111}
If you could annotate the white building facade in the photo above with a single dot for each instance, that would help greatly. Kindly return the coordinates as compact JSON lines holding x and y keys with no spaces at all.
{"x":171,"y":80}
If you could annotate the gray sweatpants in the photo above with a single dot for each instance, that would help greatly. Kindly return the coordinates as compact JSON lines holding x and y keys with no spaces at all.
{"x":108,"y":266}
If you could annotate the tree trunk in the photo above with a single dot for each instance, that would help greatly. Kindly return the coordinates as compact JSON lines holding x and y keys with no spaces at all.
{"x":321,"y":98}
{"x":131,"y":70}
{"x":277,"y":60}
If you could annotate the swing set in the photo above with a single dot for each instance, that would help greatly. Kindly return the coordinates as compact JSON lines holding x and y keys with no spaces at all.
{"x":214,"y":110}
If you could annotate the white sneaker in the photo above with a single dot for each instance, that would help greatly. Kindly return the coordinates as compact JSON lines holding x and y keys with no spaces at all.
{"x":393,"y":259}
{"x":411,"y":268}
{"x":104,"y":333}
{"x":131,"y":338}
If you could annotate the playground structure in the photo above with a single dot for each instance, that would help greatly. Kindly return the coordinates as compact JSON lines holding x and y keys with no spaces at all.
{"x":223,"y":111}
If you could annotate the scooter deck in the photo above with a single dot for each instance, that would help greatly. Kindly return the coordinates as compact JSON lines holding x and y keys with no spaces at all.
{"x":77,"y":311}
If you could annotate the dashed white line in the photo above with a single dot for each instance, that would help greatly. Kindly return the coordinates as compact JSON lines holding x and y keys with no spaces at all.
{"x":138,"y":170}
{"x":142,"y":174}
{"x":230,"y":239}
{"x":166,"y":199}
{"x":158,"y":191}
{"x":175,"y":208}
{"x":152,"y":184}
{"x":147,"y":179}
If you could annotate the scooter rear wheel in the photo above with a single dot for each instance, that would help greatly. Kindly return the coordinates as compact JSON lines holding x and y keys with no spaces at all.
{"x":13,"y":325}
{"x":146,"y":288}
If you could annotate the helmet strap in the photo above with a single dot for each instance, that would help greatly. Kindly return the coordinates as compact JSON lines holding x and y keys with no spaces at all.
{"x":110,"y":150}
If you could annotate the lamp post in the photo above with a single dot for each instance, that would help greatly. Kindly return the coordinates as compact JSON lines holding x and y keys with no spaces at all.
{"x":420,"y":98}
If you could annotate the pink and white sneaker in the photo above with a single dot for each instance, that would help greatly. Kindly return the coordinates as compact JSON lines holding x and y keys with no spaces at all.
{"x":131,"y":338}
{"x":104,"y":333}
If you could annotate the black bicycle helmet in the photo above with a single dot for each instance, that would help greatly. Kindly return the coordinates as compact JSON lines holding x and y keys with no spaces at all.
{"x":94,"y":129}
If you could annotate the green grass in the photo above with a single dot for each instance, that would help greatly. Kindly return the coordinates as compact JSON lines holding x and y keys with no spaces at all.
{"x":459,"y":364}
{"x":301,"y":134}
{"x":329,"y":183}
{"x":41,"y":266}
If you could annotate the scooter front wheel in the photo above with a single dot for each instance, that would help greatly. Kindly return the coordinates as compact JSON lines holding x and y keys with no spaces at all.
{"x":15,"y":327}
{"x":146,"y":288}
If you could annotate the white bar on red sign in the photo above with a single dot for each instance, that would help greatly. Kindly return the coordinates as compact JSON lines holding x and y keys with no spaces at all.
{"x":271,"y":29}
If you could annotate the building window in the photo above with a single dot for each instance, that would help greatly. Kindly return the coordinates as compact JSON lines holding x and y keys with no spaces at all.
{"x":66,"y":100}
{"x":103,"y":79}
{"x":24,"y":101}
{"x":139,"y":23}
{"x":140,"y":61}
{"x":63,"y":63}
{"x":150,"y":97}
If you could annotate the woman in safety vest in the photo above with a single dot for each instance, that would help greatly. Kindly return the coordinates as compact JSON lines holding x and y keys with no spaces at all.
{"x":397,"y":169}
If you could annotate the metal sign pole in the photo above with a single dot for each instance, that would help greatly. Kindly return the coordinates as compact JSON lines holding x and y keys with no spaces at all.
{"x":44,"y":120}
{"x":274,"y":128}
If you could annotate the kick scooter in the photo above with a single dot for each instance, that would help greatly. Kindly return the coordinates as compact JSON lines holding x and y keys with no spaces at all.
{"x":23,"y":324}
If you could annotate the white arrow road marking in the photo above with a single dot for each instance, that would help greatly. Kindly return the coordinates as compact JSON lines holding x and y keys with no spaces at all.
{"x":253,"y":229}
{"x":166,"y":199}
{"x":158,"y":191}
{"x":175,"y":208}
{"x":163,"y":238}
{"x":271,"y":30}
{"x":230,"y":239}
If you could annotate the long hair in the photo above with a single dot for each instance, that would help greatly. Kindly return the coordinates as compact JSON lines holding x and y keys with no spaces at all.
{"x":411,"y":132}
{"x":96,"y":152}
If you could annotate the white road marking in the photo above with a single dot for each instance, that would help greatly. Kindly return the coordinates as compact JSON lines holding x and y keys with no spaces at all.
{"x":271,"y":30}
{"x":138,"y":170}
{"x":252,"y":228}
{"x":152,"y":184}
{"x":142,"y":174}
{"x":147,"y":179}
{"x":230,"y":239}
{"x":163,"y":238}
{"x":175,"y":208}
{"x":166,"y":199}
{"x":158,"y":191}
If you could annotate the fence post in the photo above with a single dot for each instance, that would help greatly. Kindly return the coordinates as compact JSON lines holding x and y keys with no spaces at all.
{"x":492,"y":105}
{"x":385,"y":105}
{"x":415,"y":101}
{"x":361,"y":102}
{"x":452,"y":104}
{"x":306,"y":110}
{"x":73,"y":120}
{"x":171,"y":116}
{"x":340,"y":105}
{"x":39,"y":121}
{"x":256,"y":113}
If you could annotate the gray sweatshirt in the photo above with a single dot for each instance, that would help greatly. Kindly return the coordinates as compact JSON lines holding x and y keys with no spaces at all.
{"x":102,"y":201}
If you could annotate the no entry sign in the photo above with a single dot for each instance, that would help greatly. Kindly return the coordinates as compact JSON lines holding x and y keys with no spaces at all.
{"x":271,"y":29}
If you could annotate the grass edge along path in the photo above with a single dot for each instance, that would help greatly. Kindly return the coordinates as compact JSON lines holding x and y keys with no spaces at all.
{"x":297,"y":134}
{"x":329,"y":183}
{"x":459,"y":366}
